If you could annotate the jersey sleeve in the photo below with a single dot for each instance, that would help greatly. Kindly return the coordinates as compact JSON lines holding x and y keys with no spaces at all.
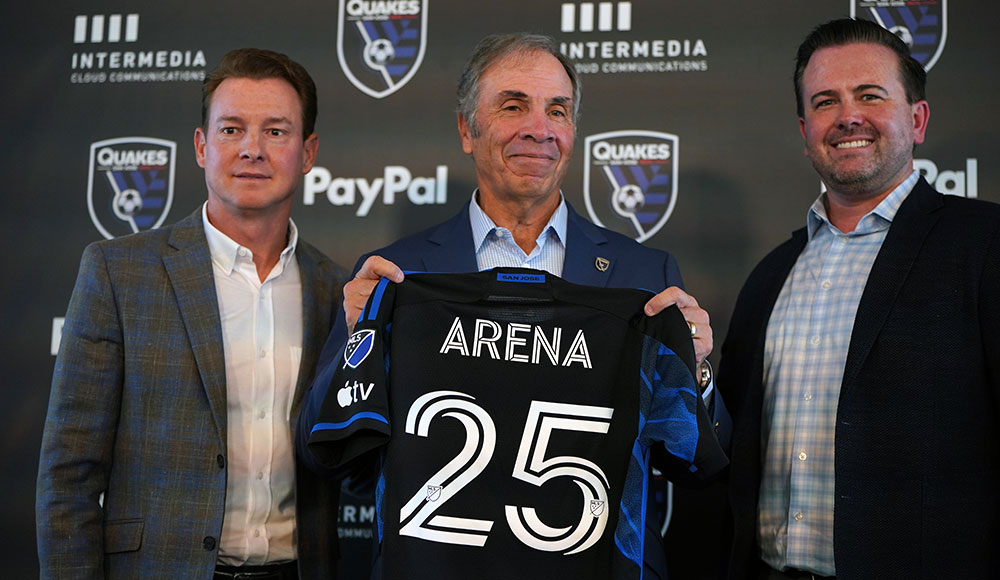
{"x":676,"y":423}
{"x":354,"y":416}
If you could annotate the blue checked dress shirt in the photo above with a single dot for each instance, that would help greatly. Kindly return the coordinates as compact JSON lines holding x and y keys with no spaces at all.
{"x":805,"y":351}
{"x":495,"y":246}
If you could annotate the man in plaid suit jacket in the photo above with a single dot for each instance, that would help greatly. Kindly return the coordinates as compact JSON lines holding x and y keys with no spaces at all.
{"x":151,"y":461}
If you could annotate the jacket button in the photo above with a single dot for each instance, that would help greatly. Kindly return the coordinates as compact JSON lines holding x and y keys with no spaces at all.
{"x":221,"y":461}
{"x":208,"y":543}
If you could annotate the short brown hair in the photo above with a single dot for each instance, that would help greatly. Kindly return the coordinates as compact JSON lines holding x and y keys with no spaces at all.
{"x":259,"y":64}
{"x":847,"y":31}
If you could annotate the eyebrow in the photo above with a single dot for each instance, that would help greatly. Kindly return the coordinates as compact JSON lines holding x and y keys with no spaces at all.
{"x":857,"y":89}
{"x":515,"y":94}
{"x":267,"y":121}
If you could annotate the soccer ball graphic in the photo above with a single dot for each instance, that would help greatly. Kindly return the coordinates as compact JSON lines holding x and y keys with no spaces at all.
{"x":904,"y":34}
{"x":628,"y":199}
{"x":379,"y":52}
{"x":127,"y":203}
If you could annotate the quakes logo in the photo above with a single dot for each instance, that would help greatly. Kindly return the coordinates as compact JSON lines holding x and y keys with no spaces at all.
{"x":630,"y":181}
{"x":131,"y":184}
{"x":923,"y":25}
{"x":381,"y":43}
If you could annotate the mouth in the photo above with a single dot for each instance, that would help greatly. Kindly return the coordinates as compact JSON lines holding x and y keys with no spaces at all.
{"x":853,"y":144}
{"x":253,"y":176}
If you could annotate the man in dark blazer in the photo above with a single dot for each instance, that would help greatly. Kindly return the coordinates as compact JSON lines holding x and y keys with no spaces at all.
{"x":518,"y":102}
{"x":862,"y":363}
{"x":148,"y":467}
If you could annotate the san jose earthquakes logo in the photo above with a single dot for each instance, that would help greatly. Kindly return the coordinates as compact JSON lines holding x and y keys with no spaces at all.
{"x":381,"y":43}
{"x":359,"y":346}
{"x":923,"y":25}
{"x":630,"y":180}
{"x":131,"y":184}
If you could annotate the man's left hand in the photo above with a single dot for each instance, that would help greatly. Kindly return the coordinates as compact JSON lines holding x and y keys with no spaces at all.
{"x":694,"y":314}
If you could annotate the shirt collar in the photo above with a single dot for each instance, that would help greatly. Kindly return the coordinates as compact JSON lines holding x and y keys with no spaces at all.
{"x":878,"y":218}
{"x":482,"y":225}
{"x":225,"y":250}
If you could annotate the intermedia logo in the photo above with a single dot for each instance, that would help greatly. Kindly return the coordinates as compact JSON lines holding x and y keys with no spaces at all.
{"x":101,"y":28}
{"x":609,"y":16}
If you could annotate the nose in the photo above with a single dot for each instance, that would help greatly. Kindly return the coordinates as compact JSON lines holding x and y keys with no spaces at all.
{"x":850,"y":114}
{"x":537,"y":126}
{"x":251,"y":146}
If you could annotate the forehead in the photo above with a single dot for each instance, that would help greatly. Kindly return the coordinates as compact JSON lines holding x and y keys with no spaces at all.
{"x":537,"y":74}
{"x":273,"y":98}
{"x":851,"y":65}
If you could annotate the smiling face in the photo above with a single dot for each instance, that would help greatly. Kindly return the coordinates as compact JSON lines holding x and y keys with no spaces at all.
{"x":524,"y":139}
{"x":858,"y":127}
{"x":252,"y":148}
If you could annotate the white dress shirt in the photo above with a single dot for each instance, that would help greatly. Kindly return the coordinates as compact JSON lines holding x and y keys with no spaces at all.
{"x":262,"y":342}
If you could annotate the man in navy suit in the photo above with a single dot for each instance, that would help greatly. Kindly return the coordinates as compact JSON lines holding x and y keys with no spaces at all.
{"x":862,"y":364}
{"x":518,"y":102}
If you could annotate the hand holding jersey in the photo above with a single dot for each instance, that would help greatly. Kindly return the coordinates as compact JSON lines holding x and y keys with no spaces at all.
{"x":357,"y":291}
{"x":507,"y":389}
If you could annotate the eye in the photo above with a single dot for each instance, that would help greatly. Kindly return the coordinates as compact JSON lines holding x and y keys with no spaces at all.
{"x":823,"y":103}
{"x":275,"y":132}
{"x":871,"y":97}
{"x":228,"y":131}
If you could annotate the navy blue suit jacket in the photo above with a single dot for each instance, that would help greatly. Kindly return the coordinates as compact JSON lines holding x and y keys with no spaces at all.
{"x":918,"y":422}
{"x":448,"y":247}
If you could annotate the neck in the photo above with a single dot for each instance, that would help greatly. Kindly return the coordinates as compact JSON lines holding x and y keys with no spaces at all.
{"x":263,"y":233}
{"x":525,"y":218}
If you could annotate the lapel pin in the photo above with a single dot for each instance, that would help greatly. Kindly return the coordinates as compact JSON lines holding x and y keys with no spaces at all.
{"x":602,"y":264}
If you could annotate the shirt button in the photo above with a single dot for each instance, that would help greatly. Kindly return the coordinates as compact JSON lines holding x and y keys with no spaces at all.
{"x":802,"y":456}
{"x":798,"y":517}
{"x":815,"y":340}
{"x":260,"y":475}
{"x":221,"y":461}
{"x":263,"y":353}
{"x":243,"y":252}
{"x":262,"y":414}
{"x":808,"y":397}
{"x":256,"y":533}
{"x":826,"y":284}
{"x":208,"y":543}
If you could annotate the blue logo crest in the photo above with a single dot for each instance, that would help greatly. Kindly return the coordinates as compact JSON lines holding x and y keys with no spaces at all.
{"x":359,"y":346}
{"x":381,"y":43}
{"x":131,"y":184}
{"x":923,"y":25}
{"x":630,"y":181}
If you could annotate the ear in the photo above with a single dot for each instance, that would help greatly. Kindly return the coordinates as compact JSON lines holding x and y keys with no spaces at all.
{"x":921,"y":116}
{"x":465,"y":132}
{"x":802,"y":131}
{"x":199,"y":147}
{"x":309,"y":149}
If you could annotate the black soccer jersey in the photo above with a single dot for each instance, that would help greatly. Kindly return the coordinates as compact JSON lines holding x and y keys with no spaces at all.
{"x":514,"y":413}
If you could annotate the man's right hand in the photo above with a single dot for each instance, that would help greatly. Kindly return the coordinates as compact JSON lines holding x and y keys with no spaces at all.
{"x":357,"y":291}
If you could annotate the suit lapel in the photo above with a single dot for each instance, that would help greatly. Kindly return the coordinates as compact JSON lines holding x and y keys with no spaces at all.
{"x":317,"y":300}
{"x":189,"y":268}
{"x":452,"y":249}
{"x":586,"y":252}
{"x":915,"y":218}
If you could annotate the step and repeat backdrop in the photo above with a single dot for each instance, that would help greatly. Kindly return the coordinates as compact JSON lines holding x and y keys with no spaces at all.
{"x":101,"y":101}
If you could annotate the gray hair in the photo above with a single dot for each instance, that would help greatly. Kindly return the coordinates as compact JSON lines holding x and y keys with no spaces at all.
{"x":497,"y":47}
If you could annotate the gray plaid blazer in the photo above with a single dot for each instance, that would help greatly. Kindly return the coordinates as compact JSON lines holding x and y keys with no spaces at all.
{"x":137,"y":414}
